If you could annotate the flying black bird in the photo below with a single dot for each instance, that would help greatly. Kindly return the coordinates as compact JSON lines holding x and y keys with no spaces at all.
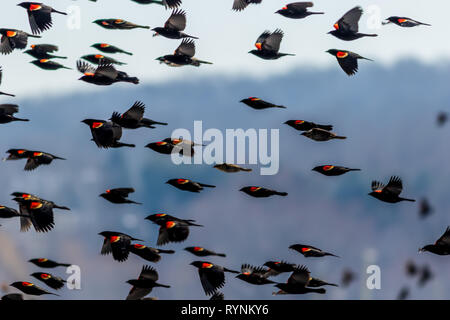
{"x":411,"y":268}
{"x":310,"y":251}
{"x":259,"y":104}
{"x":321,"y":135}
{"x":103,"y":75}
{"x":202,"y":252}
{"x":117,"y":243}
{"x":441,"y":246}
{"x":212,"y":276}
{"x":254,"y":275}
{"x":50,"y":280}
{"x":101,"y":59}
{"x":118,"y":195}
{"x":16,"y":154}
{"x":183,"y":56}
{"x":441,"y":118}
{"x":278,"y":267}
{"x":329,"y":170}
{"x":425,"y":209}
{"x":230,"y":168}
{"x":42,"y":51}
{"x":30,"y":288}
{"x":188,"y":185}
{"x":6,"y":213}
{"x":106,"y":134}
{"x":47,"y":64}
{"x":7,"y":112}
{"x":316,"y":283}
{"x":239,"y":5}
{"x":403,"y":294}
{"x":298,"y":283}
{"x":268,"y":45}
{"x":165,"y":147}
{"x":347,"y":27}
{"x":143,"y":285}
{"x":425,"y":275}
{"x":404,"y":22}
{"x":47,"y":263}
{"x":1,"y":76}
{"x":12,"y":297}
{"x":172,"y":231}
{"x":133,"y":118}
{"x":118,"y":24}
{"x":297,"y":10}
{"x":148,"y":253}
{"x":162,"y":218}
{"x":13,"y":39}
{"x":303,"y":125}
{"x":39,"y":15}
{"x":174,"y":26}
{"x":260,"y":192}
{"x":390,"y":192}
{"x":107,"y":48}
{"x":348,"y":276}
{"x":35,"y":158}
{"x":347,"y":60}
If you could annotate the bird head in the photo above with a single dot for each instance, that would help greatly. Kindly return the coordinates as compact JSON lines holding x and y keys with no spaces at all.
{"x":25,"y":5}
{"x":426,"y":248}
{"x":255,"y":52}
{"x":197,"y":264}
{"x":333,"y":52}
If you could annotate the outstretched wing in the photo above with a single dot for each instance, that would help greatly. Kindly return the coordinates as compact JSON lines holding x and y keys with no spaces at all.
{"x":187,"y":48}
{"x":176,"y":21}
{"x":136,"y":112}
{"x":300,"y":276}
{"x":349,"y":22}
{"x":377,"y":186}
{"x":394,"y":186}
{"x":272,"y":42}
{"x":85,"y":67}
{"x":444,"y":240}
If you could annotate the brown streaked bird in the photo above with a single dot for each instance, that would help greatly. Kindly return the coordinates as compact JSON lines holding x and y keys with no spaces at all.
{"x":106,"y":134}
{"x":174,"y":26}
{"x":13,"y":39}
{"x":47,"y":64}
{"x":183,"y":56}
{"x":117,"y":243}
{"x":118,"y":24}
{"x":321,"y":135}
{"x":133,"y":118}
{"x":330,"y":170}
{"x":239,"y":5}
{"x":268,"y":45}
{"x":47,"y":263}
{"x":297,"y":10}
{"x":30,"y":288}
{"x":347,"y":60}
{"x":230,"y":168}
{"x":389,"y":193}
{"x":42,"y":51}
{"x":441,"y":246}
{"x":2,"y":93}
{"x":39,"y":15}
{"x":202,"y":252}
{"x":310,"y":251}
{"x":108,"y":48}
{"x":188,"y":185}
{"x":50,"y":280}
{"x":347,"y":28}
{"x":260,"y":192}
{"x":103,"y":74}
{"x":118,"y":195}
{"x":144,"y":284}
{"x":254,"y":275}
{"x":148,"y":253}
{"x":404,"y":22}
{"x":303,"y":125}
{"x":259,"y":104}
{"x":212,"y":276}
{"x":298,"y":283}
{"x":7,"y":112}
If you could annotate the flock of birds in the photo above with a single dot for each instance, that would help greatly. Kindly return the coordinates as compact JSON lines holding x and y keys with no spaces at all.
{"x":98,"y":69}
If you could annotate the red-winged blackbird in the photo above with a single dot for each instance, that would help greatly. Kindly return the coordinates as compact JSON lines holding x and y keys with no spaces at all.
{"x":425,"y":209}
{"x":42,"y":51}
{"x":212,"y":276}
{"x":188,"y":185}
{"x":202,"y":252}
{"x":297,"y":10}
{"x":30,"y":288}
{"x":118,"y":195}
{"x":35,"y":158}
{"x":2,"y":93}
{"x":165,"y":147}
{"x":117,"y":243}
{"x":174,"y":26}
{"x":329,"y":170}
{"x":404,"y":22}
{"x":347,"y":60}
{"x":148,"y":253}
{"x":217,"y":296}
{"x":172,"y":231}
{"x":39,"y":212}
{"x":239,"y":5}
{"x":260,"y":192}
{"x":118,"y":24}
{"x":303,"y":125}
{"x":230,"y":168}
{"x":7,"y":113}
{"x":39,"y":15}
{"x":12,"y":297}
{"x":16,"y":154}
{"x":321,"y":135}
{"x":99,"y":58}
{"x":441,"y":246}
{"x":106,"y":134}
{"x":268,"y":45}
{"x":259,"y":104}
{"x":347,"y":27}
{"x":103,"y":75}
{"x":441,"y":118}
{"x":107,"y":48}
{"x":277,"y":267}
{"x":6,"y":213}
{"x":13,"y":39}
{"x":254,"y":275}
{"x":182,"y":142}
{"x":183,"y":55}
{"x":143,"y":285}
{"x":47,"y":64}
{"x":310,"y":251}
{"x":25,"y":221}
{"x":50,"y":280}
{"x":47,"y":263}
{"x":133,"y":118}
{"x":298,"y":283}
{"x":390,"y":192}
{"x":162,"y":218}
